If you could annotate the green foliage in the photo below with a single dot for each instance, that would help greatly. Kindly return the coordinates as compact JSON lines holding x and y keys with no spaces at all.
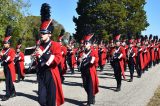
{"x":15,"y":13}
{"x":11,"y":14}
{"x":105,"y":17}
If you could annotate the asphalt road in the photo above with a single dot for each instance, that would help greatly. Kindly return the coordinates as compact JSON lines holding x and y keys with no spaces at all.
{"x":136,"y":93}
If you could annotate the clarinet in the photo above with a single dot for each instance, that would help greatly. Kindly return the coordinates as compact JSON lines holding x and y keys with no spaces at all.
{"x":4,"y":57}
{"x":33,"y":56}
{"x":84,"y":62}
{"x":16,"y":58}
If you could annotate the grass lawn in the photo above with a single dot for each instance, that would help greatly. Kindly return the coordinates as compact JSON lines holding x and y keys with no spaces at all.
{"x":155,"y":100}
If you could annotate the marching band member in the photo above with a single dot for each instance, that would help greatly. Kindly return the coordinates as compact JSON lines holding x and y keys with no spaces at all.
{"x":7,"y":57}
{"x":131,"y":57}
{"x":88,"y":70}
{"x":102,"y":52}
{"x":118,"y":66}
{"x":63,"y":65}
{"x":48,"y":57}
{"x":19,"y":61}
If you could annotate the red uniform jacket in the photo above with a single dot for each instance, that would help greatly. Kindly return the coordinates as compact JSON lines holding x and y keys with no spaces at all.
{"x":63,"y":61}
{"x":21,"y":62}
{"x":159,"y":50}
{"x":152,"y":52}
{"x":122,"y":50}
{"x":96,"y":55}
{"x":11,"y":56}
{"x":53,"y":61}
{"x":141,"y":57}
{"x":148,"y":55}
{"x":80,"y":53}
{"x":102,"y":57}
{"x":94,"y":73}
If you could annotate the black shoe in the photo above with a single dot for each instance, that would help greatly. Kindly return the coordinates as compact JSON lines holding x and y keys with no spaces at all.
{"x":4,"y":98}
{"x":13,"y":95}
{"x":88,"y":104}
{"x":138,"y":76}
{"x":118,"y":89}
{"x":130,"y":80}
{"x":22,"y":78}
{"x":93,"y":102}
{"x":17,"y":81}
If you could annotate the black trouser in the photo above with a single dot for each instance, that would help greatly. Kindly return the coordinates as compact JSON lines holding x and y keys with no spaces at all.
{"x":70,"y":66}
{"x":18,"y":69}
{"x":138,"y":66}
{"x":131,"y":66}
{"x":88,"y":86}
{"x":46,"y":89}
{"x":117,"y":73}
{"x":10,"y":89}
{"x":61,"y":71}
{"x":101,"y":67}
{"x":150,"y":63}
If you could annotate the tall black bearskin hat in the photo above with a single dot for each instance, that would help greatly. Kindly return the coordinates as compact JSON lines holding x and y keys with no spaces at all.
{"x":138,"y":37}
{"x":19,"y":44}
{"x":130,"y":40}
{"x":123,"y":37}
{"x":8,"y":33}
{"x":61,"y":35}
{"x":110,"y":39}
{"x":150,"y":37}
{"x":116,"y":36}
{"x":154,"y":39}
{"x":142,"y":39}
{"x":46,"y":22}
{"x":146,"y":37}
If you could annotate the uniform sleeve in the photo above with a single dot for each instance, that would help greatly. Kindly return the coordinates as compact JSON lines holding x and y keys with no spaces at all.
{"x":21,"y":56}
{"x":11,"y":56}
{"x":123,"y":52}
{"x":55,"y":56}
{"x":94,"y":56}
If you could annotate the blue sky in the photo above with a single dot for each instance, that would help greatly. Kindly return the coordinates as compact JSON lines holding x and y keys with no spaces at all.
{"x":153,"y":16}
{"x":64,"y":10}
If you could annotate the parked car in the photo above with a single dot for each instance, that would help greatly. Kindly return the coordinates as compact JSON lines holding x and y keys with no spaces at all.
{"x":28,"y":59}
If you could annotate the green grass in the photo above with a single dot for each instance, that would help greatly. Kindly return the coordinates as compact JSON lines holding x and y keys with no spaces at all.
{"x":155,"y":100}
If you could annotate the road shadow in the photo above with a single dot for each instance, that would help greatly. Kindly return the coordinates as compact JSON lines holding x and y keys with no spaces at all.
{"x":75,"y":102}
{"x":110,"y":88}
{"x":31,"y":81}
{"x":70,"y":76}
{"x":2,"y":79}
{"x":106,"y":77}
{"x":35,"y":91}
{"x":108,"y":74}
{"x":32,"y":97}
{"x":72,"y":83}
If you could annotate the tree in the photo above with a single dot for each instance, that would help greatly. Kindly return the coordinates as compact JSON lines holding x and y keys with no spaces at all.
{"x":105,"y":17}
{"x":136,"y":20}
{"x":11,"y":14}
